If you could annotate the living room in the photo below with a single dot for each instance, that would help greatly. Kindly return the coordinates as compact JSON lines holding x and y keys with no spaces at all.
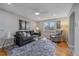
{"x":39,"y":27}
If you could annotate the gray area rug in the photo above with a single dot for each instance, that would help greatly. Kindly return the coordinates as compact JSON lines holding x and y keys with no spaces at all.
{"x":36,"y":48}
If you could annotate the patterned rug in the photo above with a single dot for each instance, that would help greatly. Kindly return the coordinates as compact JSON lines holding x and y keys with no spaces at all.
{"x":36,"y":48}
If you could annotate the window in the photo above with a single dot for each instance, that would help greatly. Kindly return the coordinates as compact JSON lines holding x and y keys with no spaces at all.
{"x":50,"y":25}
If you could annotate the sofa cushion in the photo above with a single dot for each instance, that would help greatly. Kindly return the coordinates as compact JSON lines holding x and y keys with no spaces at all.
{"x":24,"y":33}
{"x":28,"y":34}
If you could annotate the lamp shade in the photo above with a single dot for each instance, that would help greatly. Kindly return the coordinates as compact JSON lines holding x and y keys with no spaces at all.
{"x":9,"y":35}
{"x":37,"y":28}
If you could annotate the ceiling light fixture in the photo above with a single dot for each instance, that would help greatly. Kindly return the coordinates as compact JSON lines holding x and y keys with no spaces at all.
{"x":37,"y":13}
{"x":54,"y":14}
{"x":9,"y":3}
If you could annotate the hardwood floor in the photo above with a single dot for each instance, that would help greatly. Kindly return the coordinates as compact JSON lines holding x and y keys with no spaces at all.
{"x":3,"y":52}
{"x":61,"y":50}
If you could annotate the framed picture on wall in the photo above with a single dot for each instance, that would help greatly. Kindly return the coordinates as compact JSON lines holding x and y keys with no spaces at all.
{"x":22,"y":24}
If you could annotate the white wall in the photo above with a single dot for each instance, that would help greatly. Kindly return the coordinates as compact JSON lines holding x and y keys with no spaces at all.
{"x":71,"y":32}
{"x":8,"y":23}
{"x":75,"y":9}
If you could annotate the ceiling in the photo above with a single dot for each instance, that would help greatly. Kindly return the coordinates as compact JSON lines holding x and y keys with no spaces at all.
{"x":46,"y":10}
